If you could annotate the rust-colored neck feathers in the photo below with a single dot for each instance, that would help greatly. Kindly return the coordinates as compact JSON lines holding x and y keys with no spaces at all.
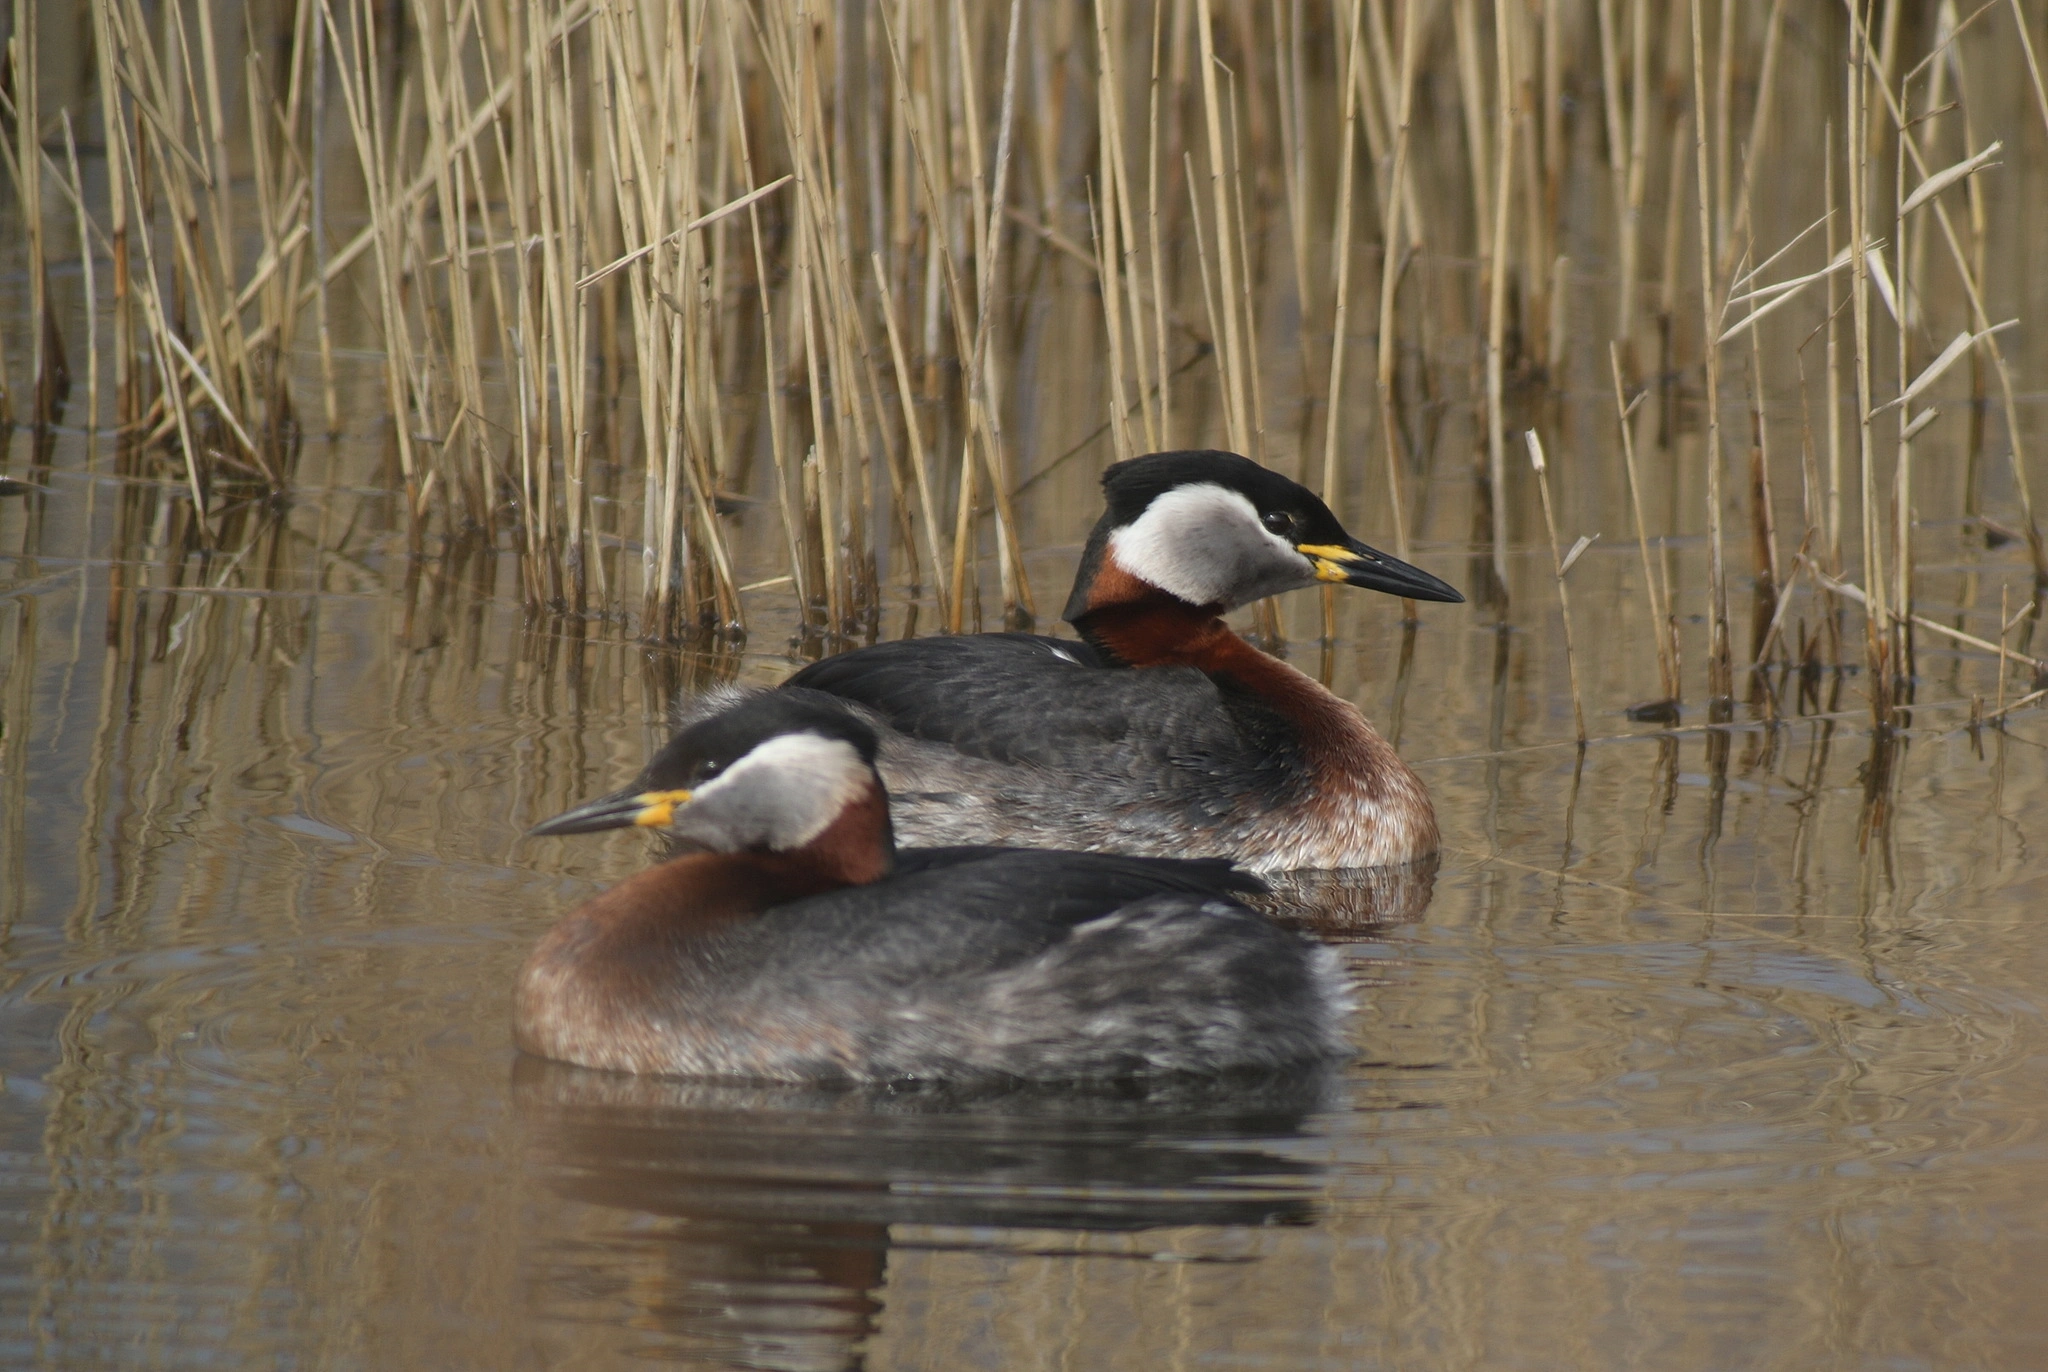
{"x":1145,"y":627}
{"x":1160,"y":631}
{"x":600,"y":986}
{"x":697,"y":893}
{"x":856,"y":848}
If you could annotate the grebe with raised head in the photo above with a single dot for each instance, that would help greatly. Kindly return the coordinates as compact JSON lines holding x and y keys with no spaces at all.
{"x":1161,"y":731}
{"x":795,"y":942}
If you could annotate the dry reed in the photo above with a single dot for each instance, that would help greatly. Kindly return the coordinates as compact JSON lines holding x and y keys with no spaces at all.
{"x":622,"y":262}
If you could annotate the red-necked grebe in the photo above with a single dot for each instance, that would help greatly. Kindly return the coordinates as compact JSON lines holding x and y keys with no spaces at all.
{"x":796,"y":943}
{"x":1160,"y":732}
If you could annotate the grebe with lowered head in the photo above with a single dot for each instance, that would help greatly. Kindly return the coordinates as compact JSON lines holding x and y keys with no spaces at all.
{"x":1161,"y":732}
{"x":796,"y":943}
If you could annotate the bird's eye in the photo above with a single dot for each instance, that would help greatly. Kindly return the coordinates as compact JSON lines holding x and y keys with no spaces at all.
{"x":706,"y":771}
{"x":1279,"y":522}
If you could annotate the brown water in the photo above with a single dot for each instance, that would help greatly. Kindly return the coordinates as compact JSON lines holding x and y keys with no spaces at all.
{"x":1717,"y":1048}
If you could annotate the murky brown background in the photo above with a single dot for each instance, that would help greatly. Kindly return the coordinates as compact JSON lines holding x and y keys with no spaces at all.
{"x":1715,"y":1048}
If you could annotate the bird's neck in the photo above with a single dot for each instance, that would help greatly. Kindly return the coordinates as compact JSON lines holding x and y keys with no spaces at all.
{"x":700,"y":891}
{"x":687,"y":897}
{"x":1160,"y":631}
{"x":1142,"y":626}
{"x":613,"y":967}
{"x":1369,"y":808}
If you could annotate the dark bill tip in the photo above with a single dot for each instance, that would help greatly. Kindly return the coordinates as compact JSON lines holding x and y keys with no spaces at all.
{"x":619,"y":810}
{"x":1356,"y":564}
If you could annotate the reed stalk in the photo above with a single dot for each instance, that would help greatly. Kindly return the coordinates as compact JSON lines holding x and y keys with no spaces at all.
{"x":1390,"y":254}
{"x":1340,"y":261}
{"x":610,"y":265}
{"x":1877,"y":627}
{"x":1497,"y":293}
{"x":1659,"y":594}
{"x":45,"y":343}
{"x":92,"y":295}
{"x":1560,"y":565}
{"x":1234,"y":358}
{"x":1720,"y":672}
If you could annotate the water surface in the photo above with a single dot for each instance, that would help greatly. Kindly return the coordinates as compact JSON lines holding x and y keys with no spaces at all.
{"x":1715,"y":1047}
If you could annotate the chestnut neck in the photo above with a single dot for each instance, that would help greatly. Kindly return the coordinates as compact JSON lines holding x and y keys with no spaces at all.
{"x":610,"y":985}
{"x":857,"y":847}
{"x":1140,"y":625}
{"x":699,"y":891}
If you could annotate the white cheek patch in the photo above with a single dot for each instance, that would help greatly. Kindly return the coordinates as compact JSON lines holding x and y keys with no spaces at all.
{"x":1204,"y":544}
{"x":783,"y":794}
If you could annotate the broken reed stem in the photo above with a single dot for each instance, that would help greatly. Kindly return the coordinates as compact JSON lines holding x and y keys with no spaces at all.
{"x":771,"y":368}
{"x":1998,"y":650}
{"x":1253,"y":383}
{"x":1559,"y":567}
{"x":1660,"y":607}
{"x":2037,"y":546}
{"x":1291,"y":62}
{"x":1113,"y":324}
{"x":1018,"y":610}
{"x":1773,"y":631}
{"x":1152,"y":230}
{"x":2004,"y":628}
{"x":1770,"y":580}
{"x":330,"y":400}
{"x":1116,"y":248}
{"x":22,"y":56}
{"x":1638,"y":163}
{"x":1902,"y":469}
{"x":1759,"y":125}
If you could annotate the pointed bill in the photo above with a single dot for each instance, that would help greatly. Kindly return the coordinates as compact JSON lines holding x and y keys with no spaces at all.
{"x":630,"y":808}
{"x":1355,"y":564}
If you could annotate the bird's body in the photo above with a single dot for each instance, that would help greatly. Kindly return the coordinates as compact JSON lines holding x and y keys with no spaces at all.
{"x":798,"y":944}
{"x":1160,"y":731}
{"x":1039,"y":742}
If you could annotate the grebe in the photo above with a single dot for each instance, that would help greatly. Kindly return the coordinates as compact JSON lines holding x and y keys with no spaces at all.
{"x":1161,"y":732}
{"x":796,"y":943}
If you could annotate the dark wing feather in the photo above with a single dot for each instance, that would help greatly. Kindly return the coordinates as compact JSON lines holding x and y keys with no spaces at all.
{"x":953,"y":911}
{"x":1024,"y":698}
{"x":991,"y":696}
{"x":1079,"y":886}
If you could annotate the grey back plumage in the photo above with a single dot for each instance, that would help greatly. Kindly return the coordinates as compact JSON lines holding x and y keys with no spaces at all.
{"x":1017,"y":738}
{"x":1038,"y":965}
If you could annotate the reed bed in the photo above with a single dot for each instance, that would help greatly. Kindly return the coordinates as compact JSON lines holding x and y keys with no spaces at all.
{"x":694,"y":252}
